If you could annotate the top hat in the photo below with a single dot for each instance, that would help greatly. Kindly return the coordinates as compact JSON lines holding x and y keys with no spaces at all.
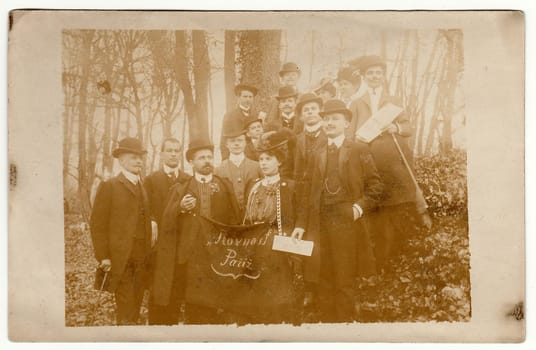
{"x":366,"y":62}
{"x":306,"y":98}
{"x":336,"y":106}
{"x":242,"y":87}
{"x":349,"y":74}
{"x":289,"y":67}
{"x":286,"y":91}
{"x":196,"y":145}
{"x":327,"y":86}
{"x":128,"y":145}
{"x":250,"y":120}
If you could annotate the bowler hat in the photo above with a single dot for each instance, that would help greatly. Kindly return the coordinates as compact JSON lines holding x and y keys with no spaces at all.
{"x":250,"y":120}
{"x":366,"y":62}
{"x":327,"y":86}
{"x":128,"y":145}
{"x":196,"y":145}
{"x":336,"y":106}
{"x":349,"y":74}
{"x":289,"y":67}
{"x":286,"y":92}
{"x":232,"y":132}
{"x":306,"y":98}
{"x":241,"y":87}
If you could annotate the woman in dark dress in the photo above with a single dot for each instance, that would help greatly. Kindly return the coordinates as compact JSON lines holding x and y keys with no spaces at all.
{"x":271,"y":200}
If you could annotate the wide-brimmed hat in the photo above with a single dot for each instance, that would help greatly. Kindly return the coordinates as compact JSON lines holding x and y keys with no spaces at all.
{"x":289,"y":67}
{"x":250,"y":120}
{"x":128,"y":145}
{"x":272,"y":140}
{"x":246,"y":87}
{"x":196,"y":145}
{"x":366,"y":62}
{"x":350,"y":74}
{"x":306,"y":98}
{"x":336,"y":106}
{"x":286,"y":92}
{"x":327,"y":86}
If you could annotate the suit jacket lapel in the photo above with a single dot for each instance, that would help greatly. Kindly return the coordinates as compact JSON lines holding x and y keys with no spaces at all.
{"x":323,"y":160}
{"x":366,"y":99}
{"x":129,"y":185}
{"x":344,"y":153}
{"x":383,"y":99}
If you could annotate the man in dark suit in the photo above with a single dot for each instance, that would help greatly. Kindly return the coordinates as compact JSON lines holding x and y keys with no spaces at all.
{"x":235,"y":119}
{"x":289,"y":74}
{"x":203,"y":195}
{"x":238,"y":169}
{"x":159,"y":182}
{"x":312,"y":137}
{"x":157,"y":185}
{"x":286,"y":113}
{"x":341,"y":186}
{"x":397,"y":206}
{"x":121,"y":231}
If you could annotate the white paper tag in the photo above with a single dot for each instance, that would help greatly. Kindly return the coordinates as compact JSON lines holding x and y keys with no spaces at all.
{"x":287,"y":244}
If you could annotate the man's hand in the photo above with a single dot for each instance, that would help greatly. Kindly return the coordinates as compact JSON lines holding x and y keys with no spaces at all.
{"x":391,"y":129}
{"x":188,"y":202}
{"x":358,"y":212}
{"x":154,"y":233}
{"x":106,"y":264}
{"x":297,"y":234}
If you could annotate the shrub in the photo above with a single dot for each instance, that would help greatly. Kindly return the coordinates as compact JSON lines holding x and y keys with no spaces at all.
{"x":443,"y":181}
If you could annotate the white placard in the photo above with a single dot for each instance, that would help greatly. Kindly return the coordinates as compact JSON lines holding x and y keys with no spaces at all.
{"x":377,"y":122}
{"x":290,"y":245}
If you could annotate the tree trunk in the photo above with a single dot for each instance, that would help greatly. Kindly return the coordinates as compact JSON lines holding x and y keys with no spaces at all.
{"x":83,"y":185}
{"x":260,"y":61}
{"x":412,"y":98}
{"x":201,"y":76}
{"x":196,"y":110}
{"x":229,"y":69}
{"x":454,"y":53}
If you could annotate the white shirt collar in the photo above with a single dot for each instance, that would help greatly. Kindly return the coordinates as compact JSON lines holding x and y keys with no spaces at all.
{"x":130,"y":176}
{"x":203,"y":178}
{"x":245,"y":109}
{"x":270,"y":180}
{"x":169,"y":170}
{"x":337,"y":141}
{"x":313,"y":128}
{"x":378,"y":91}
{"x":236,"y":159}
{"x":288,"y":116}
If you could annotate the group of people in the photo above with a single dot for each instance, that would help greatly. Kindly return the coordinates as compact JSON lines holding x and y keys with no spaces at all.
{"x":298,"y":167}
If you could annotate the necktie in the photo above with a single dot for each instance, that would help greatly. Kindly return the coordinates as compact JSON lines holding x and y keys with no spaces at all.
{"x":172,"y":176}
{"x":332,"y":148}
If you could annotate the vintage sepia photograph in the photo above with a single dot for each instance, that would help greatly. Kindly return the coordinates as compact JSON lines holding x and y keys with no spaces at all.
{"x":306,"y":175}
{"x":196,"y":163}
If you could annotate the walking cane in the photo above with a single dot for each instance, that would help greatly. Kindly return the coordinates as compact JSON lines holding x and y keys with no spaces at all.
{"x":420,"y":201}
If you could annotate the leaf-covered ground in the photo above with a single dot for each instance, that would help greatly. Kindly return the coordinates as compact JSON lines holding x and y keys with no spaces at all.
{"x":85,"y":306}
{"x":428,"y":280}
